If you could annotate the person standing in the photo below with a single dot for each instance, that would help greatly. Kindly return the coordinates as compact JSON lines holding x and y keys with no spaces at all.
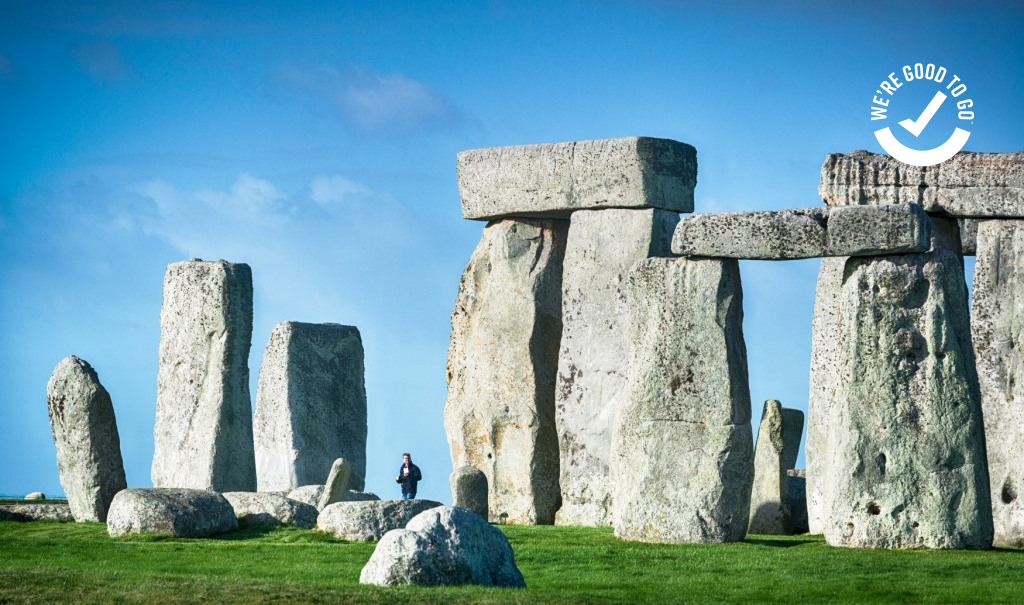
{"x":408,"y":475}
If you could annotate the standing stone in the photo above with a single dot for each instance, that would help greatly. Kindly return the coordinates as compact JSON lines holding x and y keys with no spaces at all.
{"x":310,"y":405}
{"x":337,"y":483}
{"x":203,"y":433}
{"x":469,"y":490}
{"x":502,"y":361}
{"x":681,"y":459}
{"x":778,"y":442}
{"x":603,"y":246}
{"x":796,"y":480}
{"x":968,"y":235}
{"x":997,"y":326}
{"x":85,"y":433}
{"x":906,"y":465}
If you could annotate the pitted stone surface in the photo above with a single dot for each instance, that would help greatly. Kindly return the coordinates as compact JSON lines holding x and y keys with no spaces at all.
{"x":36,"y":512}
{"x":258,"y":508}
{"x":369,"y":520}
{"x":336,"y":487}
{"x":469,"y":490}
{"x":85,"y":433}
{"x":778,"y":441}
{"x":603,"y":246}
{"x":203,"y":433}
{"x":310,"y":494}
{"x":500,"y":412}
{"x":444,"y":546}
{"x":968,"y":184}
{"x":997,"y":326}
{"x":906,"y":448}
{"x":804,"y":233}
{"x":556,"y":179}
{"x":968,"y":235}
{"x":310,"y":405}
{"x":687,"y":407}
{"x":182,"y":513}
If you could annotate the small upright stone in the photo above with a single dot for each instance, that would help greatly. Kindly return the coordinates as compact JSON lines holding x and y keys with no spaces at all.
{"x":203,"y":431}
{"x":310,"y":405}
{"x":469,"y":490}
{"x":85,"y":433}
{"x":778,"y":441}
{"x":337,"y":483}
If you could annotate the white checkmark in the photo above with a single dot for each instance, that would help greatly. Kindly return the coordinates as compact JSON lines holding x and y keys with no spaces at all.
{"x":915,"y":128}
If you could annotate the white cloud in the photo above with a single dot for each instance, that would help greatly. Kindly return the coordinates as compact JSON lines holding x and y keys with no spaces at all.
{"x":328,"y":190}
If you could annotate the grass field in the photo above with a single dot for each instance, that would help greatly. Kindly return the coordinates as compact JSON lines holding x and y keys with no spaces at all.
{"x":55,"y":562}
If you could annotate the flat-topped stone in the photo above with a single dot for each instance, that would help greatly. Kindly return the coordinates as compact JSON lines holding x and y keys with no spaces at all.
{"x":182,"y":513}
{"x":804,"y":233}
{"x":968,"y":184}
{"x":260,"y":508}
{"x":368,"y":521}
{"x":552,"y":180}
{"x":36,"y":512}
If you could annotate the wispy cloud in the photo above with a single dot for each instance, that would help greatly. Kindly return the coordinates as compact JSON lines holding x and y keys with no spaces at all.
{"x":101,"y":60}
{"x":370,"y":102}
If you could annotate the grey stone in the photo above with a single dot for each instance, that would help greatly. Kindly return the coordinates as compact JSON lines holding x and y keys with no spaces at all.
{"x":968,"y":184}
{"x":603,"y":246}
{"x":336,"y":487}
{"x":85,"y":433}
{"x":369,"y":520}
{"x":309,"y":494}
{"x":778,"y":442}
{"x":796,"y":482}
{"x":182,"y":513}
{"x":682,"y":461}
{"x":905,"y":453}
{"x":203,"y":433}
{"x":469,"y":490}
{"x":500,"y":412}
{"x":997,"y":326}
{"x":444,"y":547}
{"x":968,"y":235}
{"x":552,"y":180}
{"x":39,"y":495}
{"x":257,"y":508}
{"x":36,"y":512}
{"x":804,"y":233}
{"x":792,"y":434}
{"x":310,"y":405}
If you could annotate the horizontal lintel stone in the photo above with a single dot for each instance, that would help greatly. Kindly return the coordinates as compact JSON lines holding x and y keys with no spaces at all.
{"x":967,"y":185}
{"x":553,"y":180}
{"x":805,"y":233}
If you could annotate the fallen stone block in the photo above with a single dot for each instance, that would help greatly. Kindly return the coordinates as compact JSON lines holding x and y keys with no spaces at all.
{"x":85,"y":433}
{"x":368,"y":521}
{"x":182,"y":513}
{"x":804,"y":233}
{"x":311,"y":494}
{"x":310,"y":405}
{"x":444,"y":547}
{"x":469,"y":490}
{"x":687,"y":407}
{"x":553,"y":180}
{"x":256,"y":508}
{"x":36,"y":512}
{"x":967,"y":185}
{"x":769,"y":498}
{"x":203,"y":433}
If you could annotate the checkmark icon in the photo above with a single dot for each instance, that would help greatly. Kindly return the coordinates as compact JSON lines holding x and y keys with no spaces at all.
{"x":915,"y":127}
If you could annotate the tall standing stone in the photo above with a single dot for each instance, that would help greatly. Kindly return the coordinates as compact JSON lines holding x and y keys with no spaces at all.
{"x":603,"y":246}
{"x":203,"y":434}
{"x":85,"y":433}
{"x":778,"y":441}
{"x":469,"y":490}
{"x":906,"y":464}
{"x":681,"y":459}
{"x":500,"y":412}
{"x":997,"y":326}
{"x":310,"y":405}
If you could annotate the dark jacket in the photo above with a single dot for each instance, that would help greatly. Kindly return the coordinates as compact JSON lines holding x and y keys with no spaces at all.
{"x":409,"y":481}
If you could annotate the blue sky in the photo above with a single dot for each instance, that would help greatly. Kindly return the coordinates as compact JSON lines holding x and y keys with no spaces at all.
{"x":316,"y":141}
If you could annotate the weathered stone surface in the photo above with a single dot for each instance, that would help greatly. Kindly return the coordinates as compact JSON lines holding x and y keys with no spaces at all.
{"x":183,"y":513}
{"x":258,"y":508}
{"x":444,"y":547}
{"x":796,"y":482}
{"x":804,"y":233}
{"x":997,"y":326}
{"x":682,"y":461}
{"x":603,"y":246}
{"x":769,"y":498}
{"x":968,"y":235}
{"x":203,"y":433}
{"x":500,"y":412}
{"x":36,"y":512}
{"x":85,"y":433}
{"x":309,"y":494}
{"x":968,"y":184}
{"x":553,"y":180}
{"x":41,"y":495}
{"x":905,"y":451}
{"x":469,"y":490}
{"x":336,"y":487}
{"x":310,"y":405}
{"x":369,"y":520}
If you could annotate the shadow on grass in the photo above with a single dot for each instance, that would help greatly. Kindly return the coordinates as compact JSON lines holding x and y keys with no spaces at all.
{"x":781,"y":541}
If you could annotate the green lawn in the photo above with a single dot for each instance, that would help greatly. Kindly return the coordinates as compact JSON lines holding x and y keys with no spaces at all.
{"x":41,"y":562}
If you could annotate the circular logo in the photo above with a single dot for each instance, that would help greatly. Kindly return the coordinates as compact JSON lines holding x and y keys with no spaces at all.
{"x":944,"y":94}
